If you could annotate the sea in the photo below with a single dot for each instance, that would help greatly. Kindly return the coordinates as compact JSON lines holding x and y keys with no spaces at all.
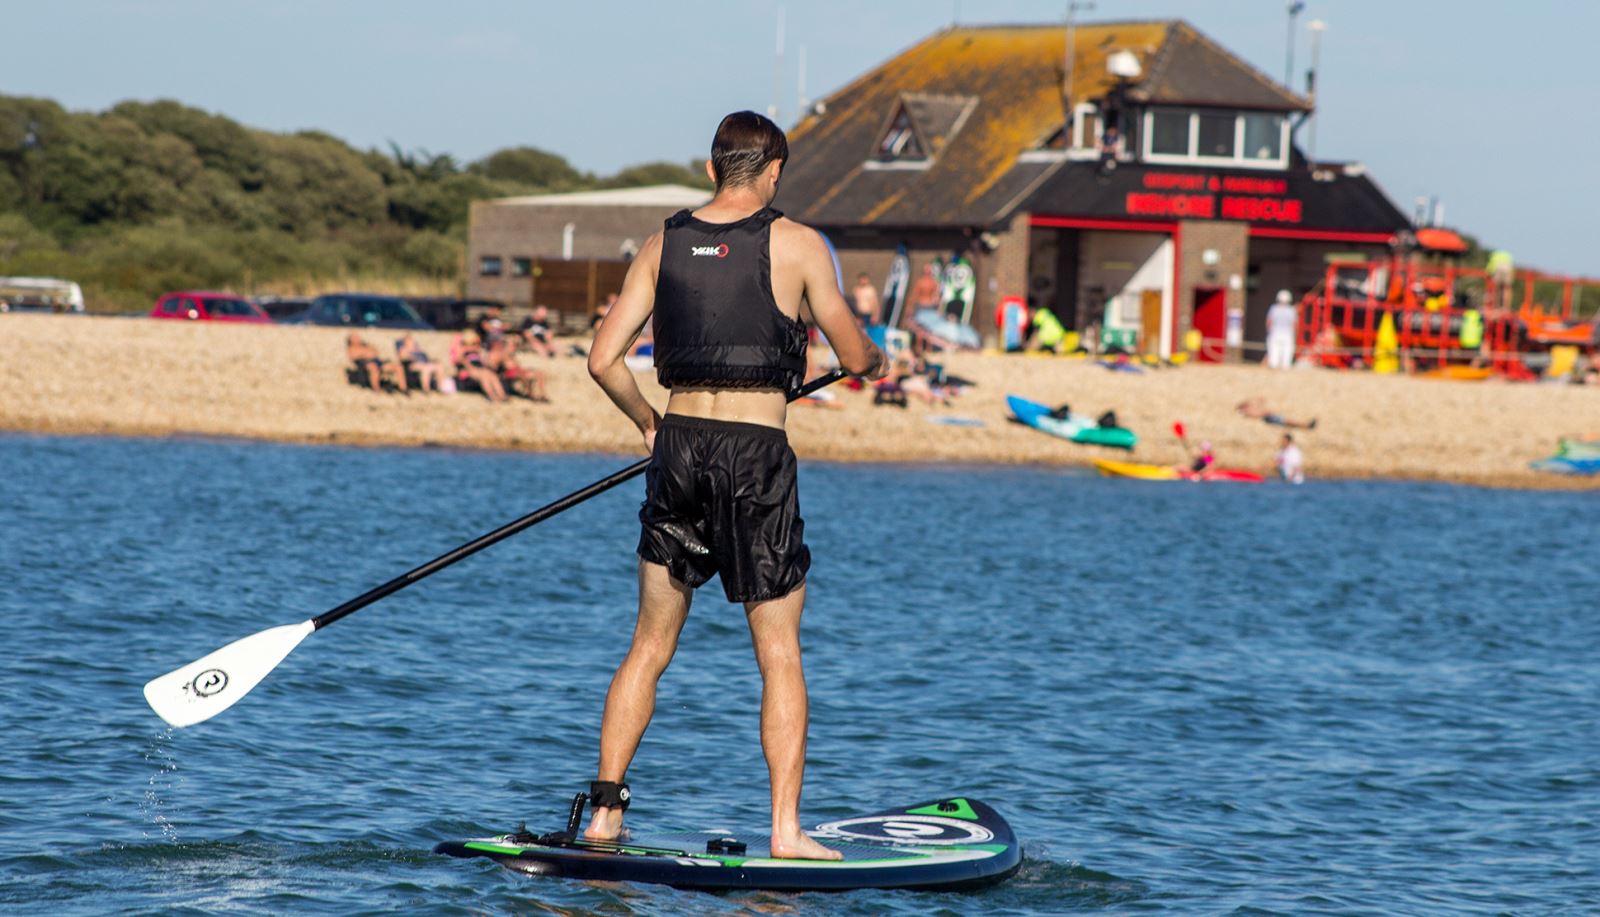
{"x":1347,"y":697}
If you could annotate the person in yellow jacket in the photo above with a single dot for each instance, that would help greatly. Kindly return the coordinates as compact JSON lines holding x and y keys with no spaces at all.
{"x":1048,"y":331}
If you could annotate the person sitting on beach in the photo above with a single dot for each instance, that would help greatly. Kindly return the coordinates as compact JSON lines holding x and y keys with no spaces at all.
{"x":366,"y":359}
{"x":514,"y":377}
{"x":466,"y":355}
{"x":413,"y":358}
{"x":535,"y":332}
{"x":1291,"y":464}
{"x":489,"y":326}
{"x":601,"y":311}
{"x":1256,"y":409}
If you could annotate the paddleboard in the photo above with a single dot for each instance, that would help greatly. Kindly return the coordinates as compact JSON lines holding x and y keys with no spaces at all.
{"x":1163,"y":473}
{"x":1075,"y":427}
{"x":944,"y":845}
{"x":894,"y":288}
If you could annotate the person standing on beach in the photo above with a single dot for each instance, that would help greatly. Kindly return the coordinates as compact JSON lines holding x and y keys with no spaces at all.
{"x":1281,"y":320}
{"x":867,"y":302}
{"x":729,"y":286}
{"x":1291,"y":464}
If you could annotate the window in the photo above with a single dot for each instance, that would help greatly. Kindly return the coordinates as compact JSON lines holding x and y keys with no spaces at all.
{"x":1263,"y":137}
{"x":489,"y":266}
{"x":900,"y":141}
{"x":1169,"y":133}
{"x":1209,"y":136}
{"x":1216,"y":134}
{"x":521,"y":267}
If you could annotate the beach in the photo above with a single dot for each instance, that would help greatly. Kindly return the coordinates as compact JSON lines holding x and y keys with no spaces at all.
{"x":137,"y":377}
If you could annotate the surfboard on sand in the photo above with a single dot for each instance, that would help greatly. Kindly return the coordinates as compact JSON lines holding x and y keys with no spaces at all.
{"x":894,"y":288}
{"x":944,"y":845}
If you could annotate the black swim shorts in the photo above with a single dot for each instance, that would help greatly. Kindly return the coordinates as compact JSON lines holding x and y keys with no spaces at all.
{"x":721,"y":498}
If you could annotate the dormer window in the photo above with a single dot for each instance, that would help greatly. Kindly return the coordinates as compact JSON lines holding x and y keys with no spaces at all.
{"x":922,"y":125}
{"x":1216,"y":137}
{"x":900,"y":141}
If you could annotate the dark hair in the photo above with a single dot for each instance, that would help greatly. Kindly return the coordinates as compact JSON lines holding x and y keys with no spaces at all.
{"x":745,"y":144}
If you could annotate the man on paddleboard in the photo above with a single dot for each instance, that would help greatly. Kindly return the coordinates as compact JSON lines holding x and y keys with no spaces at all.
{"x":729,"y":286}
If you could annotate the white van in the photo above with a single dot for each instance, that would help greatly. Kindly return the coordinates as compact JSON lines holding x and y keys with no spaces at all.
{"x":40,"y":293}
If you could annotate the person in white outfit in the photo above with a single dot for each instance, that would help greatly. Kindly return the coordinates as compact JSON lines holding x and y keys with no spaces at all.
{"x":1281,"y":320}
{"x":1291,"y":464}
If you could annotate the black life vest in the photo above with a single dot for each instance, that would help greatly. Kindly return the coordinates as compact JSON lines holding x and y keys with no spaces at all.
{"x":716,"y":322}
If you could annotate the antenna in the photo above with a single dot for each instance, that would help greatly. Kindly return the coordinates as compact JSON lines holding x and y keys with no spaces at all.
{"x":805,"y":103}
{"x":1066,"y":65}
{"x":1294,"y":6}
{"x":777,"y":70}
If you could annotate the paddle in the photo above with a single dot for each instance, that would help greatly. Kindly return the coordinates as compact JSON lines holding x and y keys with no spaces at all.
{"x":214,"y":682}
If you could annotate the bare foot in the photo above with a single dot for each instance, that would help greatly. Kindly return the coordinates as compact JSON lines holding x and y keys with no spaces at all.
{"x":605,"y":824}
{"x":801,"y":847}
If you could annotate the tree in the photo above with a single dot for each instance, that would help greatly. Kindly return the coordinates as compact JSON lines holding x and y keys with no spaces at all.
{"x":526,"y":165}
{"x":659,"y":173}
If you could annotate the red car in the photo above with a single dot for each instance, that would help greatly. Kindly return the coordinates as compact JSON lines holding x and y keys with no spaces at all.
{"x":200,"y":306}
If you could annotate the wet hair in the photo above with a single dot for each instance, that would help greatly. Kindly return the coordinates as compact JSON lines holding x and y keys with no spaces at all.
{"x":745,"y":144}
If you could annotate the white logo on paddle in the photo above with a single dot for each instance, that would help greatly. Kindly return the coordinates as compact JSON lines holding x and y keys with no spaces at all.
{"x":915,"y":830}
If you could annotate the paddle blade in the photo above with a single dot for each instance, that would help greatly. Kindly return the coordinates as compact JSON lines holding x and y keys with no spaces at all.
{"x":209,"y":685}
{"x":1177,"y":428}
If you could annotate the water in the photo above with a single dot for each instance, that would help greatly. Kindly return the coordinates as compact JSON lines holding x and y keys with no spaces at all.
{"x":1358,"y":698}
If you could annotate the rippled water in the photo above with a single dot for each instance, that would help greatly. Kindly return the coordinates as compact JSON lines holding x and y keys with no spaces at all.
{"x":1347,"y":697}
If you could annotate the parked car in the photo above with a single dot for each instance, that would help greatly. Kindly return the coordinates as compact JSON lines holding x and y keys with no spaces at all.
{"x":40,"y":294}
{"x":448,"y":314}
{"x":361,"y":310}
{"x":202,"y":306}
{"x":282,"y":307}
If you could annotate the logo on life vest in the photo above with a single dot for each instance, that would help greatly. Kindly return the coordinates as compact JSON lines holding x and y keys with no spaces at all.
{"x":715,"y":251}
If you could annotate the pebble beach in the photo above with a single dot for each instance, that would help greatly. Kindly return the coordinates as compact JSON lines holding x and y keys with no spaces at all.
{"x":137,"y":377}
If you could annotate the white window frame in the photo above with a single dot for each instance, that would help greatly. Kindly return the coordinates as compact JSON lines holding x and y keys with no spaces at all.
{"x":1237,"y":160}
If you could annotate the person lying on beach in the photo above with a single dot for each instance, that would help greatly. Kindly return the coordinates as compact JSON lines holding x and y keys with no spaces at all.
{"x":514,"y":377}
{"x":466,"y":354}
{"x":1256,"y":409}
{"x":365,"y":357}
{"x":535,"y":332}
{"x":412,"y":357}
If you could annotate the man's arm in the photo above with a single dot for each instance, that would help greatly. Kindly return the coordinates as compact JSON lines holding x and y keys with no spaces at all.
{"x":856,"y":352}
{"x":617,"y":334}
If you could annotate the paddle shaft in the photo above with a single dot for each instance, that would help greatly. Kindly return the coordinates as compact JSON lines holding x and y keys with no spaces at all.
{"x":511,"y":528}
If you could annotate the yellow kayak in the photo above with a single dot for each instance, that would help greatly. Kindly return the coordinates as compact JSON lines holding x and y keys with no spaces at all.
{"x":1115,"y":469}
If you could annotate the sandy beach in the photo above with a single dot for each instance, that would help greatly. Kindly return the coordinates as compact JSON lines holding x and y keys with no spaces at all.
{"x":132,"y":376}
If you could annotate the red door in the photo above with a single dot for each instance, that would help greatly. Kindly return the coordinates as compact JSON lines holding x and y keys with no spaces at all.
{"x":1211,"y":320}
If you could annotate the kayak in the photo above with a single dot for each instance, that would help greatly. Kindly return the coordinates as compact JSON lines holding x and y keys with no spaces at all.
{"x":1164,"y":473}
{"x":1074,"y":427}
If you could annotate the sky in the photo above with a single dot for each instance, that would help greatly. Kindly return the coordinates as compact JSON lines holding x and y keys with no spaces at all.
{"x":1493,"y":108}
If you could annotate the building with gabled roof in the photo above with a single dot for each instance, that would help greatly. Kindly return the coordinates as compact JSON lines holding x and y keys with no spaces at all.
{"x":1143,"y":180}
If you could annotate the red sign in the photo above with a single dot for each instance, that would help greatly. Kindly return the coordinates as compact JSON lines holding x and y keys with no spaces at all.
{"x":1197,"y":198}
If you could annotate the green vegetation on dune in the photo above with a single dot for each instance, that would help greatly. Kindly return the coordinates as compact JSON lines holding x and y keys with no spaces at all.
{"x":153,"y":196}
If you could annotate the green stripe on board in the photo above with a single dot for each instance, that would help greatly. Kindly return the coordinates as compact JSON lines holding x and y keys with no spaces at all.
{"x":492,"y":848}
{"x":962,"y":810}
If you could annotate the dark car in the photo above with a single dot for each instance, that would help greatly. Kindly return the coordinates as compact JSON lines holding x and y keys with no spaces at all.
{"x":448,"y":314}
{"x":361,"y":310}
{"x":282,"y":307}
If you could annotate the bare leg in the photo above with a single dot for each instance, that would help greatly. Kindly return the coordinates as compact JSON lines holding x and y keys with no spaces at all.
{"x":373,"y":380}
{"x":775,"y":632}
{"x":663,"y":607}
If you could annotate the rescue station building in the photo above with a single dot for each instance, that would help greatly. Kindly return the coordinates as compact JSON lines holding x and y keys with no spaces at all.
{"x":1133,"y":177}
{"x":1162,"y":191}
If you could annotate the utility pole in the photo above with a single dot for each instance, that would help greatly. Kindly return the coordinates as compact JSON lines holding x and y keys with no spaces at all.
{"x":1295,"y":6}
{"x":805,"y":103}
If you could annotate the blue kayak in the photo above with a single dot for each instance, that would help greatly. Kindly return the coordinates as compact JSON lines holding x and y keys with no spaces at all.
{"x":1075,"y":427}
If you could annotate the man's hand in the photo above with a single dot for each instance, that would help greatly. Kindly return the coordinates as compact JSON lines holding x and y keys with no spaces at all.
{"x":880,"y":366}
{"x":650,"y":432}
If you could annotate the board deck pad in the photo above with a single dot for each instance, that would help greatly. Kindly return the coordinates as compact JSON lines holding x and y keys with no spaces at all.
{"x":947,"y":844}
